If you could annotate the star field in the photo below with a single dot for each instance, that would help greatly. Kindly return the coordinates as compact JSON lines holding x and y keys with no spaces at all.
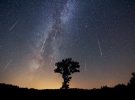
{"x":35,"y":34}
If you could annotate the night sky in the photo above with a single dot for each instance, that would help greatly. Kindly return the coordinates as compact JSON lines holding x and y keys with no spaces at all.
{"x":35,"y":34}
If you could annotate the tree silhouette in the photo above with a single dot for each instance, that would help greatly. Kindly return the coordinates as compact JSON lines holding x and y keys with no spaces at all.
{"x":132,"y":81}
{"x":67,"y":67}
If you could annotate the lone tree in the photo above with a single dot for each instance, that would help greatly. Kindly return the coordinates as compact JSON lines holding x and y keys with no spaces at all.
{"x":67,"y":67}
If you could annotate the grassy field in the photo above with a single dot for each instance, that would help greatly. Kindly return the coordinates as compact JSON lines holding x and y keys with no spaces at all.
{"x":121,"y":91}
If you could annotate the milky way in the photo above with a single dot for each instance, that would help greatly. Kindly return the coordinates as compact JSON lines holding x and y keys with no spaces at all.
{"x":50,"y":42}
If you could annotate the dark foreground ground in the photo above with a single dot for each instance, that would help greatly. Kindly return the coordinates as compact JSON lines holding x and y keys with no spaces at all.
{"x":119,"y":91}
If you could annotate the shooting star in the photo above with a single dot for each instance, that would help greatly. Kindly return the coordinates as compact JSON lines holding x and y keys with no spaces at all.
{"x":43,"y":45}
{"x":6,"y":66}
{"x":13,"y":25}
{"x":100,"y":49}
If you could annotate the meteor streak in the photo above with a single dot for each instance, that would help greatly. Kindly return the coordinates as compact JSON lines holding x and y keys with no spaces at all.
{"x":6,"y":66}
{"x":100,"y":49}
{"x":13,"y":26}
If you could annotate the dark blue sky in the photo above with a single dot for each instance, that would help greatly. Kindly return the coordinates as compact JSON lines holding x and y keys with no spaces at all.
{"x":34,"y":34}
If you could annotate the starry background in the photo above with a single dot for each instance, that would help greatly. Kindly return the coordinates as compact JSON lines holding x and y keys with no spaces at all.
{"x":34,"y":34}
